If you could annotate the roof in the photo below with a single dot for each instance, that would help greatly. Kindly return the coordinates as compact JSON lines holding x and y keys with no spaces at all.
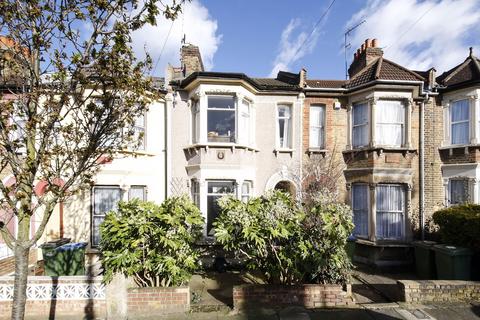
{"x":383,"y":69}
{"x":330,"y":84}
{"x":259,"y":83}
{"x":465,"y":73}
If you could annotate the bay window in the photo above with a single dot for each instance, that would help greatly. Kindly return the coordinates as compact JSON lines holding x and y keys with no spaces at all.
{"x":390,"y":203}
{"x":390,"y":123}
{"x":460,"y":122}
{"x":360,"y":209}
{"x":215,"y":190}
{"x":458,"y":191}
{"x":105,"y":199}
{"x":244,"y":125}
{"x":317,"y":126}
{"x":360,"y":125}
{"x":284,"y":126}
{"x":221,"y":119}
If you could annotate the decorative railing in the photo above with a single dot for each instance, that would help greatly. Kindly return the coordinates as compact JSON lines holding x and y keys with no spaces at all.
{"x":53,"y":288}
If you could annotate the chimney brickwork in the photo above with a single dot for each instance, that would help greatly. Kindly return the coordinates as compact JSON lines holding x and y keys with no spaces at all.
{"x":368,"y":53}
{"x":191,"y":59}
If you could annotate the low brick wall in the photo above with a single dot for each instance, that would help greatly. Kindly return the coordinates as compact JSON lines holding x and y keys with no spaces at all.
{"x":149,"y":302}
{"x":307,"y":295}
{"x":423,"y":291}
{"x":49,"y":297}
{"x":7,"y":265}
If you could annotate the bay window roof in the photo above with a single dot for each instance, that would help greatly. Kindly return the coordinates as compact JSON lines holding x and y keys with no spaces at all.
{"x":464,"y":74}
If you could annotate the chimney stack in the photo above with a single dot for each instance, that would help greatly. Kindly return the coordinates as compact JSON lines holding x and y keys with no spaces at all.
{"x":365,"y":55}
{"x":190,"y":59}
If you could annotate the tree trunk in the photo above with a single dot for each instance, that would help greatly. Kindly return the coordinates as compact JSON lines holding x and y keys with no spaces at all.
{"x":20,"y":284}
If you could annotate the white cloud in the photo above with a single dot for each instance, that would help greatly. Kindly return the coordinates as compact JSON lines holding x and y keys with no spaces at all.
{"x":195,"y":22}
{"x":439,"y":39}
{"x":290,"y":47}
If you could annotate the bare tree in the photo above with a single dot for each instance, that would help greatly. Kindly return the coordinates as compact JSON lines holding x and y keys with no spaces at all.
{"x":71,"y":90}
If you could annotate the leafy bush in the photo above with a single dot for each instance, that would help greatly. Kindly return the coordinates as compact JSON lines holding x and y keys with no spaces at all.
{"x":325,"y":231}
{"x":282,"y":241}
{"x":460,"y":225}
{"x":152,"y":243}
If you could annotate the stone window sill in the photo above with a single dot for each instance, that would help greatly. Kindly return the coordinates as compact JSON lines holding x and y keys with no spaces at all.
{"x":283,"y":150}
{"x":214,"y":145}
{"x":321,"y":151}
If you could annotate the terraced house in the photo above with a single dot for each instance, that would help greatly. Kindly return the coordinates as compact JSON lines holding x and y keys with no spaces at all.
{"x":397,"y":144}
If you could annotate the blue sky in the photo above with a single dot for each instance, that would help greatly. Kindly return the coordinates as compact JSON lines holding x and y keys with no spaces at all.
{"x":260,"y":37}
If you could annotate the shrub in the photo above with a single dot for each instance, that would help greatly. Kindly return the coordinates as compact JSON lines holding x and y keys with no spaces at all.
{"x":324,"y":234}
{"x":285,"y":243}
{"x":263,"y":230}
{"x":152,"y":243}
{"x":460,"y":225}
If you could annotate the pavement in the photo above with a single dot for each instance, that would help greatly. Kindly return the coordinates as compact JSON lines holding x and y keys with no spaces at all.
{"x":376,"y":294}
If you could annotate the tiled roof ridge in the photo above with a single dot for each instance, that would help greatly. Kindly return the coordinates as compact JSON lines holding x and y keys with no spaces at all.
{"x":456,"y":69}
{"x":368,"y":66}
{"x":379,"y":68}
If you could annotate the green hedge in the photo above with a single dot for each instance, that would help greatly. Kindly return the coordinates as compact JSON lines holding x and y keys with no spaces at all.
{"x":460,"y":225}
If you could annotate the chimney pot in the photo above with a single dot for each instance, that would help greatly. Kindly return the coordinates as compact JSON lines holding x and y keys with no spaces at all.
{"x":375,"y":43}
{"x":358,"y":52}
{"x":368,"y":43}
{"x":355,"y":56}
{"x":362,"y":48}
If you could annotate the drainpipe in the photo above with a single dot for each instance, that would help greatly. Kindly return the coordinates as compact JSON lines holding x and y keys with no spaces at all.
{"x":165,"y":146}
{"x":422,"y":167}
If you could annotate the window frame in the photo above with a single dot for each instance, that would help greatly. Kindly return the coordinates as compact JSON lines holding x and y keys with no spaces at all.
{"x":195,"y":112}
{"x":366,"y":209}
{"x":245,"y":118}
{"x":93,"y":214}
{"x":451,"y":123}
{"x":466,"y":189}
{"x":246,"y":196}
{"x":209,"y":223}
{"x":288,"y":121}
{"x":235,"y":112}
{"x":137,"y":186}
{"x":141,"y":129}
{"x":403,"y":212}
{"x":363,"y":124}
{"x":402,"y":124}
{"x":321,"y":126}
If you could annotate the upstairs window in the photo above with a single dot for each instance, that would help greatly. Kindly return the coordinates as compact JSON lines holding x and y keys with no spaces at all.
{"x":390,"y":123}
{"x":360,"y":125}
{"x":317,"y":127}
{"x":244,"y":126}
{"x":459,"y":121}
{"x":139,"y":132}
{"x":284,"y":126}
{"x":195,"y":121}
{"x":221,"y":119}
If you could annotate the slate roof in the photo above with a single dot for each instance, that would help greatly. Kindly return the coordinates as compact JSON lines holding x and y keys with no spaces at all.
{"x":259,"y":83}
{"x":330,"y":84}
{"x":465,"y":73}
{"x":383,"y":69}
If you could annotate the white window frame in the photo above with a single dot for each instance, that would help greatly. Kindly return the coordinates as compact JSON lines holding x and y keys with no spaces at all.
{"x":195,"y":191}
{"x":196,"y":121}
{"x":379,"y":124}
{"x":139,"y":129}
{"x":355,"y":210}
{"x":138,"y":187}
{"x":359,"y":125}
{"x":467,"y":194}
{"x":288,"y":125}
{"x":245,"y":195}
{"x":213,"y":194}
{"x":451,"y":123}
{"x":234,"y":110}
{"x":102,"y":214}
{"x":244,"y":132}
{"x":320,"y":127}
{"x":402,"y":211}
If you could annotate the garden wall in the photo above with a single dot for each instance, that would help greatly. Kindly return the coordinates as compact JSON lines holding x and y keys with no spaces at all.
{"x":150,"y":302}
{"x":307,"y":295}
{"x":423,"y":291}
{"x":49,"y":297}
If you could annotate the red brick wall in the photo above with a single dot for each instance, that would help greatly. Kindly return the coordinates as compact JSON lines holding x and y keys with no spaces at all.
{"x":7,"y":265}
{"x":147,"y":301}
{"x":307,"y":295}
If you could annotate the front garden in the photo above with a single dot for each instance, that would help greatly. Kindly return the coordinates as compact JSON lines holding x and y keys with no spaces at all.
{"x":291,"y":253}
